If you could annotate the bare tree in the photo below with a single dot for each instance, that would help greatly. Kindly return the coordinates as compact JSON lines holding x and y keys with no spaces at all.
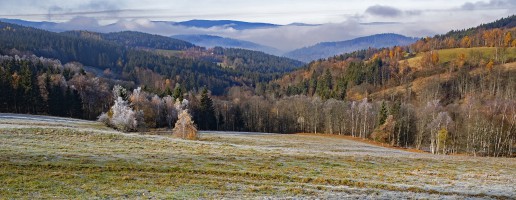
{"x":170,"y":110}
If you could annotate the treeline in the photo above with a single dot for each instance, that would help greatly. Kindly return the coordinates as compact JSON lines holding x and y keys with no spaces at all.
{"x":135,"y":39}
{"x":255,"y":61}
{"x":38,"y":86}
{"x":474,"y":114}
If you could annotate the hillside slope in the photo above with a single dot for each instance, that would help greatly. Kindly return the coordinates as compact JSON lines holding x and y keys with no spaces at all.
{"x":328,"y":49}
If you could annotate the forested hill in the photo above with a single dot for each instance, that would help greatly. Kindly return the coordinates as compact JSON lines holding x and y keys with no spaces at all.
{"x":503,"y":23}
{"x":115,"y":53}
{"x":136,"y":39}
{"x":64,"y":47}
{"x":257,"y":61}
{"x":327,"y":49}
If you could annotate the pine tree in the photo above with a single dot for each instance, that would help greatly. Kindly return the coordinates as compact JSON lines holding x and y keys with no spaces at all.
{"x":4,"y":89}
{"x":178,"y":93}
{"x":76,"y":105}
{"x":382,"y":115}
{"x":56,"y":103}
{"x":26,"y":87}
{"x":168,"y":92}
{"x":238,"y":120}
{"x":207,"y":112}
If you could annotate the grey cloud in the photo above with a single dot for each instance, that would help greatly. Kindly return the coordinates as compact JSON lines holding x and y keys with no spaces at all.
{"x":384,"y":11}
{"x":388,"y":11}
{"x":102,"y":5}
{"x":492,"y":4}
{"x":52,"y":10}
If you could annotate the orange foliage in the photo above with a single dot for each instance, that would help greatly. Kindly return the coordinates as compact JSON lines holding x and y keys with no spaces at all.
{"x":465,"y":42}
{"x":490,"y":65}
{"x":461,"y":59}
{"x":507,"y":39}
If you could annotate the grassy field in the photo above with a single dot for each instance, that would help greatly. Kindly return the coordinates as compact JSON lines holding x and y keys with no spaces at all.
{"x":447,"y":55}
{"x":165,"y":52}
{"x":84,"y":160}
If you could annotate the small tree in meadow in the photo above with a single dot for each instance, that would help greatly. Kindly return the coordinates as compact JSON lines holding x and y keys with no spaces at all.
{"x":184,"y":127}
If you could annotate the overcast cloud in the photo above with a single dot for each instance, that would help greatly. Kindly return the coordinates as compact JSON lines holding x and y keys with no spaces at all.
{"x":339,"y":20}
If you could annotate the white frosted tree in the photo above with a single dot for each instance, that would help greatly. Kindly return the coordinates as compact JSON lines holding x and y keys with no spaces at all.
{"x":124,"y":118}
{"x":121,"y":116}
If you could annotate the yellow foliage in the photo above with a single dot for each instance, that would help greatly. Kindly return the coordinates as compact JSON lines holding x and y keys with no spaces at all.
{"x":185,"y":127}
{"x":507,"y":39}
{"x":461,"y":59}
{"x":442,"y":136}
{"x":435,"y":58}
{"x":465,"y":42}
{"x":490,"y":65}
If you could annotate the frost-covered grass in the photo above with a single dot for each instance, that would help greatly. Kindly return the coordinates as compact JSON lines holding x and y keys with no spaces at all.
{"x":88,"y":161}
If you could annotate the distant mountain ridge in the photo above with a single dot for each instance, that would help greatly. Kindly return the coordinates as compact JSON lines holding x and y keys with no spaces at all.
{"x":210,"y":41}
{"x":238,"y":25}
{"x":328,"y":49}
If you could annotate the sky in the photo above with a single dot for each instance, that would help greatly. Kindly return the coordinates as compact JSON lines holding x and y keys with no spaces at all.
{"x":337,"y":20}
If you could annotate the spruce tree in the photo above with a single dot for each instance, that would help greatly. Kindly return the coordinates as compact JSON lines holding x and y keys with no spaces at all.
{"x":382,"y":115}
{"x":178,"y":93}
{"x":207,"y":112}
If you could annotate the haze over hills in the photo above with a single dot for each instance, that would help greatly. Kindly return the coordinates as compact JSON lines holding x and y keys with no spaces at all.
{"x":328,"y":49}
{"x":210,"y":41}
{"x":200,"y":32}
{"x":237,"y":25}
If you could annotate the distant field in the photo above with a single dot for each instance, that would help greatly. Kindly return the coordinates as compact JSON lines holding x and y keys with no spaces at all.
{"x":447,"y":55}
{"x":166,"y":52}
{"x":41,"y":158}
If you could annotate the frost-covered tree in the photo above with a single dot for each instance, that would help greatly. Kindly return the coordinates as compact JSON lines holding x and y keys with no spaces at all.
{"x":121,"y":116}
{"x":119,"y":91}
{"x":124,"y":118}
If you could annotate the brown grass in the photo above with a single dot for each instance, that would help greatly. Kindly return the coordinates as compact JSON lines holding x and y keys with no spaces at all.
{"x":365,"y":141}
